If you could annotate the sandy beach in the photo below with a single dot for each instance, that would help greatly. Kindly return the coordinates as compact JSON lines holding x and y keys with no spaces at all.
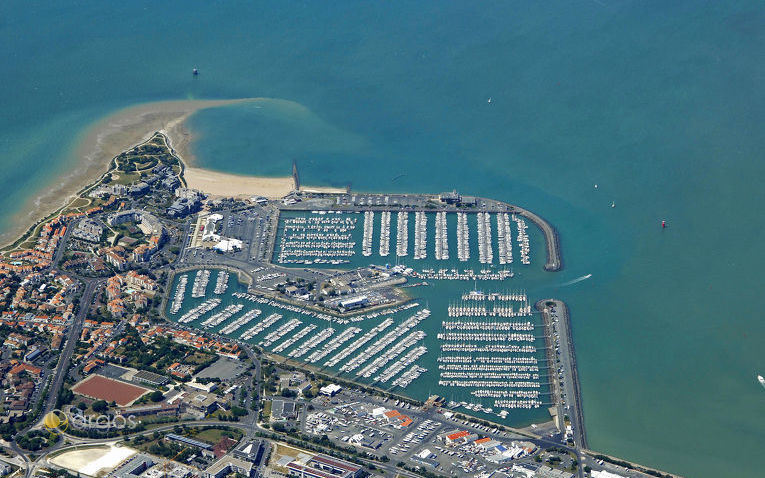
{"x":128,"y":127}
{"x":99,"y":144}
{"x":230,"y":185}
{"x":218,"y":184}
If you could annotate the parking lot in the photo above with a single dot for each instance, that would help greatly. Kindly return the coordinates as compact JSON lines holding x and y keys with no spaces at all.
{"x":224,"y":368}
{"x":374,"y":425}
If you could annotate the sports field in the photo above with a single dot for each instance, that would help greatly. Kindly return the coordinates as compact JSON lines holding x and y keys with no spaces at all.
{"x":99,"y":387}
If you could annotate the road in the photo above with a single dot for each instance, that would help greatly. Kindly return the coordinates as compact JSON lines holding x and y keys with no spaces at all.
{"x":248,"y":427}
{"x":62,"y":246}
{"x":252,"y":418}
{"x":569,"y":403}
{"x":71,"y":340}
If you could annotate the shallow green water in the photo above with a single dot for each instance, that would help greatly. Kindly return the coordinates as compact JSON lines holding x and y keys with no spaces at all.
{"x":659,"y":103}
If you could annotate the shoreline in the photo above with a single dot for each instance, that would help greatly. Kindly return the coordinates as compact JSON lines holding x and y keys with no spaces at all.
{"x":94,"y":149}
{"x":119,"y":131}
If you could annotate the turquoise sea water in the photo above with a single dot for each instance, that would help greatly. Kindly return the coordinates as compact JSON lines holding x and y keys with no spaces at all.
{"x":659,"y":103}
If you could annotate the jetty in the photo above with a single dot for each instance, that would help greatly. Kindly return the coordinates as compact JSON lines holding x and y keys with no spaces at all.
{"x":552,"y":243}
{"x":560,"y":346}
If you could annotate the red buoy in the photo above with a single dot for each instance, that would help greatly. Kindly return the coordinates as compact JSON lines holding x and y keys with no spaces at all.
{"x":663,"y":224}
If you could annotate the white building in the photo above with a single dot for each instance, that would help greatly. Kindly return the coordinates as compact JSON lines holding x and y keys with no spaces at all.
{"x":330,"y":390}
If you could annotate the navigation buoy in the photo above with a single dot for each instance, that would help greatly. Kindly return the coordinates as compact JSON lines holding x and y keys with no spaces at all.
{"x":663,"y":224}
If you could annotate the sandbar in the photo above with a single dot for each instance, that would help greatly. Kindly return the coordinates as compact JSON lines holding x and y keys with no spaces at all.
{"x":99,"y":143}
{"x":128,"y":127}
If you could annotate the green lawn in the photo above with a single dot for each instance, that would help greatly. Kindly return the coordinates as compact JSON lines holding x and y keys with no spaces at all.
{"x":213,"y":435}
{"x":127,"y":178}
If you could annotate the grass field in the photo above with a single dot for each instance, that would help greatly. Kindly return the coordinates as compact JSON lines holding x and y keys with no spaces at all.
{"x":127,"y":178}
{"x":213,"y":435}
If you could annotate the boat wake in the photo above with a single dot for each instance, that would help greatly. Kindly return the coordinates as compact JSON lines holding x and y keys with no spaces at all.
{"x":578,"y":279}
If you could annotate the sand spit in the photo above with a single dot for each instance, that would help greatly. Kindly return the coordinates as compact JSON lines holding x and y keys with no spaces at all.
{"x":133,"y":125}
{"x":100,"y":143}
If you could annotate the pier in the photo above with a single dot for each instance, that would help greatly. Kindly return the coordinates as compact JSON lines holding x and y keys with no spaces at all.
{"x":384,"y":233}
{"x":472,"y":351}
{"x":554,"y":262}
{"x":294,"y":339}
{"x":557,"y":320}
{"x":260,"y":326}
{"x":222,"y":316}
{"x":221,"y":283}
{"x":395,"y":202}
{"x":199,"y":288}
{"x":369,"y":220}
{"x":402,"y":233}
{"x":245,"y":319}
{"x":485,"y":253}
{"x":504,"y":239}
{"x":180,"y":294}
{"x":199,"y":310}
{"x":442,"y":242}
{"x":322,"y":238}
{"x":359,"y":342}
{"x":489,"y":349}
{"x":420,"y":235}
{"x":463,"y":237}
{"x":277,"y":334}
{"x":333,"y":344}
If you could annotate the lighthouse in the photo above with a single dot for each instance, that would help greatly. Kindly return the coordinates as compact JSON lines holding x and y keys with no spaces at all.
{"x":295,"y":175}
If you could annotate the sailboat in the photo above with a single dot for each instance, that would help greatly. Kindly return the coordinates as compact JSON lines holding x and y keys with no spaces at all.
{"x":761,"y":380}
{"x":613,"y":204}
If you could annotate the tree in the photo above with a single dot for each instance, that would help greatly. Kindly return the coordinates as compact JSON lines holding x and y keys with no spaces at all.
{"x":99,"y":406}
{"x":156,"y":396}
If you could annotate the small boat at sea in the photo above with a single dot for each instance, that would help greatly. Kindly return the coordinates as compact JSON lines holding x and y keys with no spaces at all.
{"x":761,"y":380}
{"x":613,"y":204}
